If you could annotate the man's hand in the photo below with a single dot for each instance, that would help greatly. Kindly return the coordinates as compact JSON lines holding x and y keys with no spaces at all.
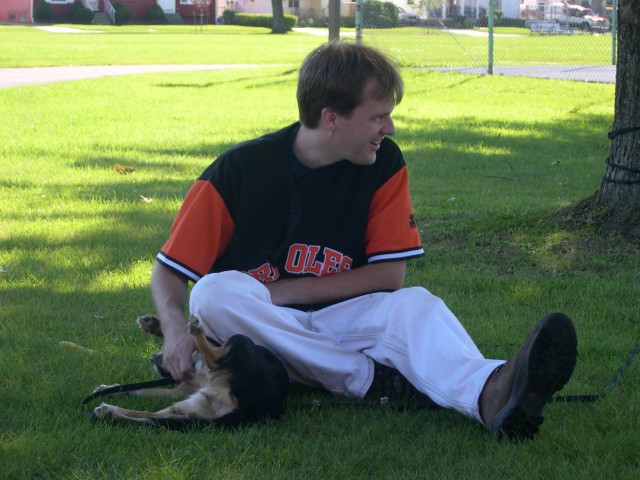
{"x":170,"y":292}
{"x":177,"y":354}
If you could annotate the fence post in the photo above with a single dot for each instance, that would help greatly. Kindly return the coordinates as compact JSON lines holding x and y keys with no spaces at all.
{"x":490,"y":45}
{"x":358,"y":22}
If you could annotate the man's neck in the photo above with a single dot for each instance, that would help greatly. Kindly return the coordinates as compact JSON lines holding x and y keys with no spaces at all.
{"x":311,"y":148}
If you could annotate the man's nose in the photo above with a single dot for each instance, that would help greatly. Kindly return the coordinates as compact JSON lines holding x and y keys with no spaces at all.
{"x":388,"y":128}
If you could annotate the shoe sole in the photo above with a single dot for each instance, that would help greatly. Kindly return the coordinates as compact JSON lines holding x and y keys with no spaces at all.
{"x":548,"y":366}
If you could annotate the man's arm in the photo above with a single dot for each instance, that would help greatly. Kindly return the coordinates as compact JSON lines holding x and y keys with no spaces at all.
{"x":170,"y":292}
{"x":309,"y":290}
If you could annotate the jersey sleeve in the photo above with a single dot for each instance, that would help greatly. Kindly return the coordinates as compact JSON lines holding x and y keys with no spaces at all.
{"x":200,"y":233}
{"x":392,"y":232}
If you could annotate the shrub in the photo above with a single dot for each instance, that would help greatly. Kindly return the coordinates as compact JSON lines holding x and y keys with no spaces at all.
{"x":501,"y":22}
{"x":77,"y":4}
{"x":469,"y":23}
{"x":348,"y":22}
{"x":227,"y":16}
{"x":123,"y":14}
{"x":511,"y":22}
{"x":156,"y":15}
{"x":83,"y":15}
{"x":80,"y":14}
{"x":377,"y":14}
{"x":42,"y":13}
{"x":457,"y":21}
{"x":261,"y":20}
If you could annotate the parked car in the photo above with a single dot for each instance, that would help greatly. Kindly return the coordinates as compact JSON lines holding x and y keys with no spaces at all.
{"x":577,"y":16}
{"x":407,"y":18}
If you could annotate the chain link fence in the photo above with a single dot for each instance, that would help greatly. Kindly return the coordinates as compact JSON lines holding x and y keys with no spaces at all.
{"x":544,"y":33}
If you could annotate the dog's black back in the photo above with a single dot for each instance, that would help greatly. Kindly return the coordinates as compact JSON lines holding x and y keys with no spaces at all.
{"x":258,"y":379}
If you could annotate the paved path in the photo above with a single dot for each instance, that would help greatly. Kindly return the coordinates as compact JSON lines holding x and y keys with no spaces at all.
{"x":582,"y":73}
{"x":16,"y":77}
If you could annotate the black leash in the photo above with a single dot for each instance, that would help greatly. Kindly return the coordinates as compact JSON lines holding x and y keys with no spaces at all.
{"x":616,"y":166}
{"x":620,"y":131}
{"x":613,"y":383}
{"x":129,"y":387}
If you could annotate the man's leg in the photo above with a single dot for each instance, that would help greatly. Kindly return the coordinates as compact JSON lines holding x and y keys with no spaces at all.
{"x":414,"y":332}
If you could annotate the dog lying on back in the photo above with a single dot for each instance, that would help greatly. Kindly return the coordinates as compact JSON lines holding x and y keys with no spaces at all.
{"x":234,"y":384}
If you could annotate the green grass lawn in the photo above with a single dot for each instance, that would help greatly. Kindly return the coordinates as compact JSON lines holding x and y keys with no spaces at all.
{"x":493,"y":161}
{"x":151,"y":44}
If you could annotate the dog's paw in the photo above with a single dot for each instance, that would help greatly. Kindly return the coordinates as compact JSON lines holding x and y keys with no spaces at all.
{"x":150,"y":324}
{"x":103,"y":410}
{"x":104,"y":387}
{"x":194,"y":325}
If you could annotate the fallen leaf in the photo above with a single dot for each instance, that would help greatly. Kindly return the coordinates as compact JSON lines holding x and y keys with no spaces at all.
{"x":75,"y":346}
{"x":123,"y":170}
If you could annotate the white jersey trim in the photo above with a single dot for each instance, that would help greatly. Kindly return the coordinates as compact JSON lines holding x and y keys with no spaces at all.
{"x":383,"y":257}
{"x":177,"y":267}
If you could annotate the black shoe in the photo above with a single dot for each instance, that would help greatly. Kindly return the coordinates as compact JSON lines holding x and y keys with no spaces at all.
{"x":390,"y":385}
{"x":516,"y":393}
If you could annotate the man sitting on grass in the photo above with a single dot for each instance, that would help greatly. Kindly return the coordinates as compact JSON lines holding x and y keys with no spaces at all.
{"x":299,"y":240}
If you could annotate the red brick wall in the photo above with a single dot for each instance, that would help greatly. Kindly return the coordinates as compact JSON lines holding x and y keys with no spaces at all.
{"x":15,"y":11}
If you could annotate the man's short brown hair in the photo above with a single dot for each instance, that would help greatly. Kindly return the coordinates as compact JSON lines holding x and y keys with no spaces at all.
{"x":335,"y":76}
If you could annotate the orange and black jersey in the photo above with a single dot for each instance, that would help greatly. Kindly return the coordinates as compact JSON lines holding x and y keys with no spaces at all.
{"x":256,"y":209}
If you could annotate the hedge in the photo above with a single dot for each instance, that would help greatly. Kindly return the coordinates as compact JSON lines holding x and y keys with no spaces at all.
{"x":261,"y":20}
{"x":43,"y":12}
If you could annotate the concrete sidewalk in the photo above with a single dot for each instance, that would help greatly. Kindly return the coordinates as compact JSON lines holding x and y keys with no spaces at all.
{"x":17,"y":77}
{"x":580,"y":73}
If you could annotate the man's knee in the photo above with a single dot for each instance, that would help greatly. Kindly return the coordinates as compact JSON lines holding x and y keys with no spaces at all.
{"x":225,"y":288}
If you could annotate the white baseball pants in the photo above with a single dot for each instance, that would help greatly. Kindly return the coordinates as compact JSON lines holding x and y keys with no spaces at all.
{"x":410,"y":330}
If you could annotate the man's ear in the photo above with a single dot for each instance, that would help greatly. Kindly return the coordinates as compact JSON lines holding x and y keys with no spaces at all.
{"x":328,"y":118}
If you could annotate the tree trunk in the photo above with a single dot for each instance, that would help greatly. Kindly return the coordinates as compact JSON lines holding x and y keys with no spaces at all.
{"x":334,"y":20}
{"x":620,"y":188}
{"x":278,"y":25}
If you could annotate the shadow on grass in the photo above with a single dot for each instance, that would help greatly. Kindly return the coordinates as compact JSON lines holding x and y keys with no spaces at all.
{"x":285,"y":77}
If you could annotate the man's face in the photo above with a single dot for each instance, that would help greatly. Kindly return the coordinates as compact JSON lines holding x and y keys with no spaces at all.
{"x":359,"y":134}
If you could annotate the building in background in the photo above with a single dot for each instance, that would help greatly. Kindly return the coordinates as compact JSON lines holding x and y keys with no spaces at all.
{"x":16,"y":11}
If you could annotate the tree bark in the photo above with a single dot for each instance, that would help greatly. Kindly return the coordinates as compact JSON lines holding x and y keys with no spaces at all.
{"x":334,"y":20}
{"x":277,"y":11}
{"x":620,"y":187}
